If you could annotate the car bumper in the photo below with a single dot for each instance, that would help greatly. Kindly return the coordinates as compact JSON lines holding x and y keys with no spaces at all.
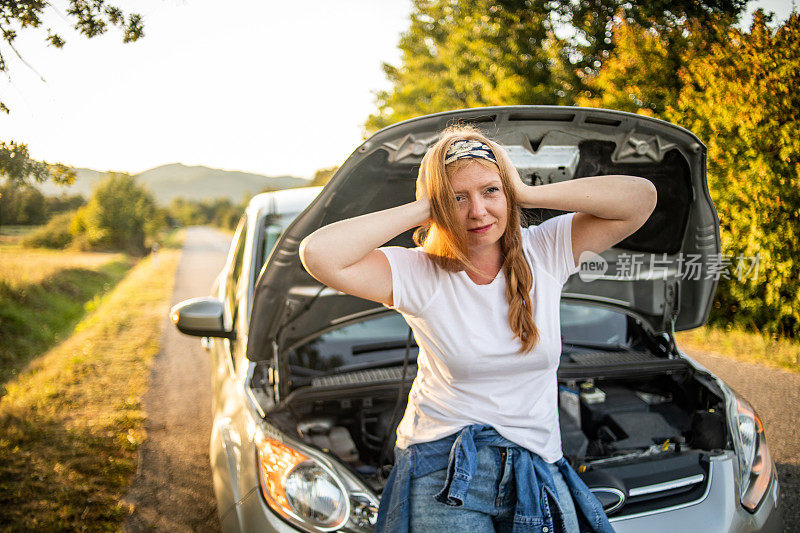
{"x":718,"y":511}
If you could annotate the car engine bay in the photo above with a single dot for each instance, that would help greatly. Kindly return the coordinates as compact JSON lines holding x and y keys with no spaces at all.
{"x":649,"y":437}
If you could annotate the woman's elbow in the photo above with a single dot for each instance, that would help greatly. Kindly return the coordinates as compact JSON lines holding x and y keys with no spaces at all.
{"x":647,"y":197}
{"x":650,"y":195}
{"x":308,"y":254}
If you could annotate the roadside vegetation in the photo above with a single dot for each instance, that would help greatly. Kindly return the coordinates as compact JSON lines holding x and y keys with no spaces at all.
{"x":44,"y":292}
{"x":218,"y":212}
{"x":736,"y":343}
{"x":43,"y":295}
{"x":70,"y":423}
{"x":121,"y":215}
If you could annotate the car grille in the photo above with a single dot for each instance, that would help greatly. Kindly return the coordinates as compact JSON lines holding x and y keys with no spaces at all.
{"x":654,"y":485}
{"x":611,"y":358}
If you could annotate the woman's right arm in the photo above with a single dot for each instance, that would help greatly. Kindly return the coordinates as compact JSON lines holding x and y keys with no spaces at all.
{"x":344,"y":255}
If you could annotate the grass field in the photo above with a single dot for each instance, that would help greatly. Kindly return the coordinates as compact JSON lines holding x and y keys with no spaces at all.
{"x":71,"y":422}
{"x":27,"y":266}
{"x":43,"y":294}
{"x":10,"y":234}
{"x":742,"y":345}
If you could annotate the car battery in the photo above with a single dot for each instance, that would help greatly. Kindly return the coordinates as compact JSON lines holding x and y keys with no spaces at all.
{"x":617,"y":400}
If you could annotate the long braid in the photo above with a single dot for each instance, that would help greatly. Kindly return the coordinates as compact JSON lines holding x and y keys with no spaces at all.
{"x":518,"y":287}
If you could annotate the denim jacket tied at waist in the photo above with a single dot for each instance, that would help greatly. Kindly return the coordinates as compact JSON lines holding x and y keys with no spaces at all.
{"x":459,"y":454}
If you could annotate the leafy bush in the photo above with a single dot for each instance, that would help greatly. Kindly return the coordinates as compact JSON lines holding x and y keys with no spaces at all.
{"x":54,"y":234}
{"x":219,"y":212}
{"x":119,"y":215}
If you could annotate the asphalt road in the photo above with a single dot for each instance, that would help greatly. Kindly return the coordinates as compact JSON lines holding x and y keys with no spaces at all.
{"x":775,"y":395}
{"x":172,"y":490}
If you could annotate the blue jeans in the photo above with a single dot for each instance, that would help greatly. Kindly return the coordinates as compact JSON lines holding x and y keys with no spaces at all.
{"x":490,"y":502}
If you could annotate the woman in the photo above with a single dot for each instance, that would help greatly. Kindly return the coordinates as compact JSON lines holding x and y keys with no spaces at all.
{"x":479,"y":445}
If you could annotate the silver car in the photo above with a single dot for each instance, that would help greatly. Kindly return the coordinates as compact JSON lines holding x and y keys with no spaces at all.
{"x":309,"y":383}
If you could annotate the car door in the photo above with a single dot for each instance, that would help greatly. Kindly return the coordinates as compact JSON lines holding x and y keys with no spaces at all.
{"x":223,"y":365}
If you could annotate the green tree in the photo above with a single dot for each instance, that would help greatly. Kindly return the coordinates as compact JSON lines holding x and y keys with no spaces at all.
{"x":185,"y":212}
{"x":62,"y":203}
{"x":18,"y":168}
{"x":119,"y":215}
{"x":593,"y":25}
{"x":642,"y":73}
{"x":742,"y":99}
{"x":90,"y":18}
{"x":220,"y":212}
{"x":459,"y":54}
{"x":21,"y":205}
{"x":468,"y":53}
{"x":640,"y":76}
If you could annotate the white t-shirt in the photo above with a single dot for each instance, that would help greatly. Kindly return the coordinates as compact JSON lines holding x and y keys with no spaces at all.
{"x":470,"y":368}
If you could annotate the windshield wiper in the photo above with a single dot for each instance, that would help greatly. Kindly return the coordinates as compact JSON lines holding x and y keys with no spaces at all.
{"x":598,"y":346}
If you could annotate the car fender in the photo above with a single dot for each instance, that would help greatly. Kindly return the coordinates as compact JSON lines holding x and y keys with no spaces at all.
{"x":224,"y":454}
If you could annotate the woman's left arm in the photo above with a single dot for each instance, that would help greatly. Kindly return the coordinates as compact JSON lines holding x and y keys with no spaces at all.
{"x":608,"y":208}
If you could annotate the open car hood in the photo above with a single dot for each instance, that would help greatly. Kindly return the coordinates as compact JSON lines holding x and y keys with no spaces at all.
{"x":649,"y":273}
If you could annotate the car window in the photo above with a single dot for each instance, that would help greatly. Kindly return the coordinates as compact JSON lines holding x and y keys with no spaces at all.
{"x":274,"y":226}
{"x":271,"y":235}
{"x":237,"y":261}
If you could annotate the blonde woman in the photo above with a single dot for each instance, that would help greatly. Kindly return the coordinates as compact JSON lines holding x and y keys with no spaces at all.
{"x":479,"y":446}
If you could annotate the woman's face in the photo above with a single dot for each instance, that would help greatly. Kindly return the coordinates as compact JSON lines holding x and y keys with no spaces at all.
{"x":481,"y":205}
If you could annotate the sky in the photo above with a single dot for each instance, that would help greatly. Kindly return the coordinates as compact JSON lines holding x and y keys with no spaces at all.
{"x":261,"y":86}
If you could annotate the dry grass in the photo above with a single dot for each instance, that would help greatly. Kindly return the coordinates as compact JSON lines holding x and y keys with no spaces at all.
{"x":742,"y":345}
{"x":70,"y":424}
{"x":27,"y":266}
{"x":43,"y":295}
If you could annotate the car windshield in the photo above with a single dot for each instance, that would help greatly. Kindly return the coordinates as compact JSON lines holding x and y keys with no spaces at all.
{"x":370,"y":343}
{"x":587,"y":325}
{"x":381,"y":340}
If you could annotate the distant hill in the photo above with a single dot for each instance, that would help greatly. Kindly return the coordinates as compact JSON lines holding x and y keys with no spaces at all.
{"x":195,"y":183}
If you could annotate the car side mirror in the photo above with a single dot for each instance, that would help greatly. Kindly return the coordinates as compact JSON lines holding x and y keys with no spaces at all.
{"x":200,"y":317}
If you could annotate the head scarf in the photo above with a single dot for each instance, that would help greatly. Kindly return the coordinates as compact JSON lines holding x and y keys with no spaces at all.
{"x":468,"y":148}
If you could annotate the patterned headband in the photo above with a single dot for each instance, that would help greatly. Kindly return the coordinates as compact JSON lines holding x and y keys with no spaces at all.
{"x":468,"y":148}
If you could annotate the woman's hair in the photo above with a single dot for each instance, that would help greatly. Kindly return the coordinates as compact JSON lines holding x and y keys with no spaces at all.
{"x":445,"y":239}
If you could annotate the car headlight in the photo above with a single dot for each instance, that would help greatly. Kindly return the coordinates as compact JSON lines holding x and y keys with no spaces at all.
{"x":755,"y":463}
{"x":299,"y":488}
